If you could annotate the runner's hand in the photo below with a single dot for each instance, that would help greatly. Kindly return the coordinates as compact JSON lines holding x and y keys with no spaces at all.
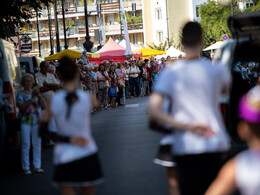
{"x":79,"y":141}
{"x":201,"y":129}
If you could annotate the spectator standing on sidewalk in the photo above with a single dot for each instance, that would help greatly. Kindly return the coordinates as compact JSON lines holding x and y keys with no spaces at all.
{"x":134,"y":80}
{"x":127,"y":84}
{"x":47,"y":82}
{"x":94,"y":80}
{"x":30,"y":102}
{"x":200,"y":135}
{"x":145,"y":81}
{"x":75,"y":165}
{"x":102,"y":79}
{"x":161,"y":65}
{"x":121,"y":83}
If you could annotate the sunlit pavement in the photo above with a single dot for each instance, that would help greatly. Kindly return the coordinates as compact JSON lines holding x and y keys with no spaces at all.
{"x":126,"y":149}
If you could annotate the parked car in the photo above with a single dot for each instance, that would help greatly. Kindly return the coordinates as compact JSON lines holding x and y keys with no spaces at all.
{"x":242,"y":49}
{"x":10,"y":75}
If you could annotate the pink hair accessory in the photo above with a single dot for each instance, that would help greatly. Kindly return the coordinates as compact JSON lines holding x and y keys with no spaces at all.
{"x":247,"y":112}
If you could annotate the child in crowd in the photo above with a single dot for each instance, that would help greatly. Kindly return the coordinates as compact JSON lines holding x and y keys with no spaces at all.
{"x":243,"y":171}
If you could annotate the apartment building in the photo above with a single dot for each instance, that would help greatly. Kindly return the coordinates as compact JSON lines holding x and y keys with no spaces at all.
{"x":108,"y":21}
{"x":167,"y":17}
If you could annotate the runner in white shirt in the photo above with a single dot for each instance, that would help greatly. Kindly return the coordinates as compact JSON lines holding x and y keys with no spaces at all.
{"x":76,"y":163}
{"x":200,"y":136}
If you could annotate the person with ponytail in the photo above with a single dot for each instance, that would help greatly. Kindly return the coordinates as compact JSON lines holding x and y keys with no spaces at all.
{"x":75,"y":154}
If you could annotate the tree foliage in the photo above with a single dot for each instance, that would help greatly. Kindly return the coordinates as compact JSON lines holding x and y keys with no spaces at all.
{"x":214,"y":18}
{"x":14,"y":13}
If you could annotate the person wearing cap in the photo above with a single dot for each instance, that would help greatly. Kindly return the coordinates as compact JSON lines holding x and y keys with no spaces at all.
{"x":243,"y":171}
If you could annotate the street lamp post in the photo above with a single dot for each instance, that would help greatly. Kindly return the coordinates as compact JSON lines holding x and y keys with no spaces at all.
{"x":56,"y":26}
{"x":49,"y":23}
{"x":64,"y":26}
{"x":87,"y":44}
{"x":38,"y":33}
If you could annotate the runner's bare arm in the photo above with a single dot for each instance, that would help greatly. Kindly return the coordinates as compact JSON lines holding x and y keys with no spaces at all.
{"x":156,"y":113}
{"x":224,"y":184}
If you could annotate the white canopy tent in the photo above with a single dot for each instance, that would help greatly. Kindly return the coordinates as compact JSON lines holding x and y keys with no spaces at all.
{"x":134,"y":47}
{"x":214,"y":46}
{"x":174,"y":53}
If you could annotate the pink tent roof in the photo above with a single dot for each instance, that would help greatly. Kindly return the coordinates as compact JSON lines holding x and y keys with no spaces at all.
{"x":112,"y":49}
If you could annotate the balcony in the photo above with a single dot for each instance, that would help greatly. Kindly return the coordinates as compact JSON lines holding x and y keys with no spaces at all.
{"x":135,"y":26}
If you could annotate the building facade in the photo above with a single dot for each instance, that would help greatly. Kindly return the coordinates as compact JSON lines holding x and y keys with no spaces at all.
{"x":106,"y":21}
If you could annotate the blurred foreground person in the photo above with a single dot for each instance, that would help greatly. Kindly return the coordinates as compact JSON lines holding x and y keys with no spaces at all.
{"x":243,"y":171}
{"x":30,"y":102}
{"x":200,"y":135}
{"x":76,"y":162}
{"x":164,"y":156}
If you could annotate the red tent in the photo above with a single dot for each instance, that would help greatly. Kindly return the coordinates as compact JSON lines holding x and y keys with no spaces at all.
{"x":112,"y":50}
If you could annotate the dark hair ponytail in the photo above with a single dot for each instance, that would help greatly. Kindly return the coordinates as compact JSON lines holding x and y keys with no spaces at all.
{"x":68,"y":71}
{"x":71,"y":98}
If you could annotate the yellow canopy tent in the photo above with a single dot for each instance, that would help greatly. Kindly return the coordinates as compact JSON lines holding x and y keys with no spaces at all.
{"x":71,"y":54}
{"x":151,"y":52}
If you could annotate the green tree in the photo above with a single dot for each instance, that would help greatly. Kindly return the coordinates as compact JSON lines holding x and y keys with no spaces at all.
{"x":14,"y":13}
{"x":214,"y":18}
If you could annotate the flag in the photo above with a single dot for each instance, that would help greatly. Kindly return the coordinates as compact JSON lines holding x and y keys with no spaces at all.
{"x":128,"y":50}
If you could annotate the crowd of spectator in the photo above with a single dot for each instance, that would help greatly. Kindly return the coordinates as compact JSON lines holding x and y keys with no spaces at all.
{"x":112,"y":83}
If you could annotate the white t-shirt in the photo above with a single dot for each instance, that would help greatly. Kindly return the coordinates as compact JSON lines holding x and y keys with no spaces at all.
{"x":50,"y":79}
{"x":133,"y":69}
{"x":247,"y":171}
{"x":195,"y":87}
{"x":77,"y":125}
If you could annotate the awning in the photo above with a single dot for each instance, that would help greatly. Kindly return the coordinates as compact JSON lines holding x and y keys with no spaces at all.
{"x":151,"y":52}
{"x":71,"y":54}
{"x":214,"y":46}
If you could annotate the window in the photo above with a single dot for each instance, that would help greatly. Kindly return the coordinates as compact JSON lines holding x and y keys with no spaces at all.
{"x":134,"y":39}
{"x":249,"y":5}
{"x":160,"y":36}
{"x":67,"y":4}
{"x":158,"y":14}
{"x":197,"y":11}
{"x":81,"y":23}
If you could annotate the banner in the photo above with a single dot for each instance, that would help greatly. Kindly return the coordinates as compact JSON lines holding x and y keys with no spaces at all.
{"x":128,"y":50}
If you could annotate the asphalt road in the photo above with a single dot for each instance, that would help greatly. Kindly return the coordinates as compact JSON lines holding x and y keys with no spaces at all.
{"x":126,"y":149}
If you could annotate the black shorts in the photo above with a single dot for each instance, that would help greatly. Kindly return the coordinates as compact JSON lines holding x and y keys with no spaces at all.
{"x":164,"y":156}
{"x":196,"y":172}
{"x":83,"y":172}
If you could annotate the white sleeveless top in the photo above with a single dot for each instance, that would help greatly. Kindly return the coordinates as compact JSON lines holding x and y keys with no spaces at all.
{"x":78,"y":124}
{"x":247,"y":166}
